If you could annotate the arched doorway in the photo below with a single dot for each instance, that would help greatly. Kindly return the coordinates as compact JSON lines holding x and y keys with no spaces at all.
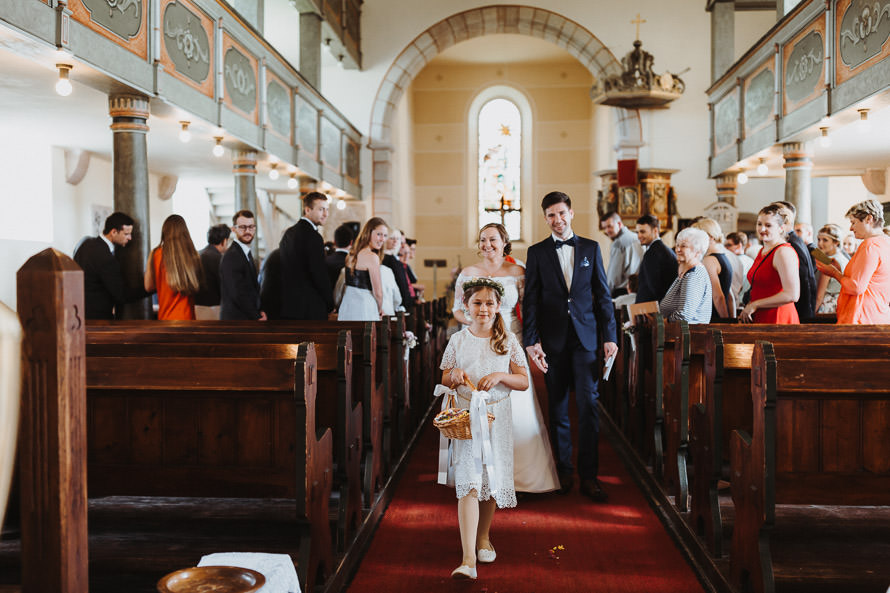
{"x":477,"y":22}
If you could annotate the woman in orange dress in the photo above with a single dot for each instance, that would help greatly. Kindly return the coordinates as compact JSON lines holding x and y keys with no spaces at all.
{"x":865,"y":281}
{"x":174,"y":271}
{"x":775,"y":284}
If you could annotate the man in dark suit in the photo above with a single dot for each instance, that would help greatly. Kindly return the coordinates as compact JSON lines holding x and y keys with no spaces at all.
{"x":567,"y":306}
{"x":239,"y":288}
{"x":305,"y":288}
{"x":336,"y":261}
{"x":207,"y":299}
{"x":391,"y":260}
{"x":806,"y":304}
{"x":658,"y":268}
{"x":103,"y":283}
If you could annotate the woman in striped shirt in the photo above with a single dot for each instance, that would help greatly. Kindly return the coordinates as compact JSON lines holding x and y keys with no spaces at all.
{"x":689,"y":297}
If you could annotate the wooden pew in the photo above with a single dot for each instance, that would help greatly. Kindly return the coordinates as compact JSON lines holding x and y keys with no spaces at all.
{"x":334,"y":376}
{"x":398,"y":386}
{"x":720,"y":377}
{"x":821,"y":436}
{"x":214,"y":421}
{"x":369,"y":353}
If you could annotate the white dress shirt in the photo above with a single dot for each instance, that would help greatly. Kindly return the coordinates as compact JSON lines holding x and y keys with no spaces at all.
{"x":566,"y":255}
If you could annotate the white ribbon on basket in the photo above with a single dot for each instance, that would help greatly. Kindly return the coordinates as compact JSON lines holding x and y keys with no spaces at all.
{"x":483,"y":453}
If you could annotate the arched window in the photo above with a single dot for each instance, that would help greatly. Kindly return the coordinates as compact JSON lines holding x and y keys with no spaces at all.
{"x":499,"y":166}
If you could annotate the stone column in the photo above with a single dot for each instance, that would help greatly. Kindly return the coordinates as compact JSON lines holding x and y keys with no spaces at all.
{"x":244,"y":168}
{"x":798,"y":184}
{"x":310,"y":48}
{"x":727,"y":188}
{"x":129,"y":116}
{"x":722,"y":38}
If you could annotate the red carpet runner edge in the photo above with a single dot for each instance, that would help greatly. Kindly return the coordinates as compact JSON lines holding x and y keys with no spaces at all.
{"x":548,"y":543}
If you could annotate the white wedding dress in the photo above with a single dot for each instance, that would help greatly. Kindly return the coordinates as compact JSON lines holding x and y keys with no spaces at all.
{"x":533,"y":467}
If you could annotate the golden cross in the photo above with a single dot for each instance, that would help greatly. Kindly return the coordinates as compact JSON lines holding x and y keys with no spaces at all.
{"x":638,"y":21}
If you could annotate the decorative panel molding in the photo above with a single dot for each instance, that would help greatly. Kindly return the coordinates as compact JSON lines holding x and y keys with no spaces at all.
{"x":726,"y":121}
{"x":803,"y":66}
{"x":307,"y":126}
{"x":278,"y":106}
{"x":239,"y":79}
{"x":861,"y":32}
{"x":330,"y":145}
{"x":124,"y":22}
{"x":187,"y":44}
{"x":760,"y":97}
{"x":351,"y":160}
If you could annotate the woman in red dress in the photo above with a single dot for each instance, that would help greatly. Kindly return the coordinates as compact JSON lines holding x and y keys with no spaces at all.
{"x":775,"y":285}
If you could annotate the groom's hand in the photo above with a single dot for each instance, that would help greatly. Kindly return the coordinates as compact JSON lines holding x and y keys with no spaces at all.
{"x":610,"y":349}
{"x":536,"y":354}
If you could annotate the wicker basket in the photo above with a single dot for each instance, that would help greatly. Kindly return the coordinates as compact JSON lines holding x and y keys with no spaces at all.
{"x":454,"y":423}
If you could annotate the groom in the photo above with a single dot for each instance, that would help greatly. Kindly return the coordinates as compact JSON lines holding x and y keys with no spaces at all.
{"x":567,"y":306}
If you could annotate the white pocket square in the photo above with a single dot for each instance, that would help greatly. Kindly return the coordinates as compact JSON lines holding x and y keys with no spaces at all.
{"x":585,"y":262}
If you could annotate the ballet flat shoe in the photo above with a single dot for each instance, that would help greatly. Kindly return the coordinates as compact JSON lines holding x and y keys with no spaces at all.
{"x":486,"y":556}
{"x":464,"y":572}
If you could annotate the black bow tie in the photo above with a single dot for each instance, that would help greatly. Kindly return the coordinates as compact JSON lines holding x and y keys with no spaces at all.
{"x":570,"y":241}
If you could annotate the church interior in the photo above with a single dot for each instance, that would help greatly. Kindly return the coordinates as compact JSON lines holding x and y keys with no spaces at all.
{"x":405,"y":111}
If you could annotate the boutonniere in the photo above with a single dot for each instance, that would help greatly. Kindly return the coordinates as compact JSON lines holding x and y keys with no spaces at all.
{"x":585,"y":262}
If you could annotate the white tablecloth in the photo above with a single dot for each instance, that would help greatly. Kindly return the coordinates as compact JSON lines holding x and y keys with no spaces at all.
{"x":277,"y":568}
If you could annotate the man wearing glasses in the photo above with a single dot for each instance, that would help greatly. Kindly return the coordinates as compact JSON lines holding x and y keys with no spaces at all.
{"x":239,"y":288}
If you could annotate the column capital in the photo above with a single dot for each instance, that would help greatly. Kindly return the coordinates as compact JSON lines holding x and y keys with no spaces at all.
{"x":128,"y":113}
{"x":727,"y":187}
{"x":797,"y":155}
{"x":244,"y":162}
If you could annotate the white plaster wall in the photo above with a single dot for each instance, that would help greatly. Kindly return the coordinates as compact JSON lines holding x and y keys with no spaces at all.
{"x":281,"y":27}
{"x":404,"y":207}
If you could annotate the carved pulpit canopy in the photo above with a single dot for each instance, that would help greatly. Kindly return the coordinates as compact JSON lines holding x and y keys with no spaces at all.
{"x":638,"y":86}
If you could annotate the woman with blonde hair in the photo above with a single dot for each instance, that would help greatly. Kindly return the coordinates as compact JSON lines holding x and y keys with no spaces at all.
{"x":829,"y":239}
{"x":363,"y":296}
{"x":174,"y":271}
{"x":865,"y":282}
{"x":719,"y":269}
{"x":774,"y":278}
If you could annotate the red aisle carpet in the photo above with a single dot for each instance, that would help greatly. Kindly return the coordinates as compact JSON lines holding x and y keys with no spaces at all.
{"x":616,"y":547}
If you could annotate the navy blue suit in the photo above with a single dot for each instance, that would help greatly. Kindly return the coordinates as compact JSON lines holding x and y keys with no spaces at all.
{"x":569,"y":324}
{"x":657,"y":272}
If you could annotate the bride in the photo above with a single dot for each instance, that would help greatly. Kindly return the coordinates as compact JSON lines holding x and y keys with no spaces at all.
{"x":533,"y":466}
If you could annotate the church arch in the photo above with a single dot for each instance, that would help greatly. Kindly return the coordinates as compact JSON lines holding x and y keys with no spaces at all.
{"x":469,"y":24}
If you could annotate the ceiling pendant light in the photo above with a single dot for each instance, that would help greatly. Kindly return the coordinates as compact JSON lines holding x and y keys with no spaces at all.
{"x":864,"y":124}
{"x":762,"y":169}
{"x":63,"y":86}
{"x":292,"y":181}
{"x":273,"y":172}
{"x":218,"y":149}
{"x":824,"y":139}
{"x":742,"y":177}
{"x":184,"y":134}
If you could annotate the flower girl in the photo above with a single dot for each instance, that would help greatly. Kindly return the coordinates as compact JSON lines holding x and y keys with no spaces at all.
{"x":486,"y":355}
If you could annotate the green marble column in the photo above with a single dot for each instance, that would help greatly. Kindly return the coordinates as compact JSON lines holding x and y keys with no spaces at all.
{"x":798,"y":183}
{"x":244,"y":168}
{"x":129,"y":116}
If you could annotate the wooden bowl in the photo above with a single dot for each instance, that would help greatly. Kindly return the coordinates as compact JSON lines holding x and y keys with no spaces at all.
{"x":212,"y":579}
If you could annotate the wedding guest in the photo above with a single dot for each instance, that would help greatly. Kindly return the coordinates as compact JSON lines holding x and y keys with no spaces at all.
{"x":305,"y":288}
{"x":207,"y":299}
{"x":624,"y":254}
{"x":716,"y":262}
{"x":806,"y":272}
{"x":827,"y":287}
{"x":804,"y":230}
{"x":391,"y":260}
{"x":689,"y":297}
{"x":534,"y":469}
{"x":240,"y":295}
{"x":174,"y":271}
{"x":342,"y":242}
{"x":105,"y":290}
{"x":850,"y":244}
{"x":363,"y":295}
{"x":489,"y":357}
{"x":774,"y":277}
{"x":735,"y":245}
{"x":865,"y":282}
{"x":658,"y":268}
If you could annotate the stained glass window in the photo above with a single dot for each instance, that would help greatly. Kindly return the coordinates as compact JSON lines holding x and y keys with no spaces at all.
{"x":500,"y":142}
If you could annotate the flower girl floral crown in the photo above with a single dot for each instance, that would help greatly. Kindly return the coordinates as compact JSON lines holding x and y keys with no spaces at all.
{"x":487,"y":283}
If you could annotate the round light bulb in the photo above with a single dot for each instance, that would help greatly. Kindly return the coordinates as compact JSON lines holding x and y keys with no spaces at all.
{"x":185,"y":136}
{"x":825,"y":141}
{"x":273,"y":173}
{"x":762,"y":169}
{"x":218,"y":150}
{"x":742,"y":178}
{"x":63,"y":87}
{"x":341,"y":204}
{"x":293,"y":183}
